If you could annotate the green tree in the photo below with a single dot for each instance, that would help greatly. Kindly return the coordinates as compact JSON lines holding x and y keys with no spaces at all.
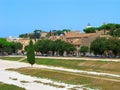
{"x":115,"y":32}
{"x":84,"y":50}
{"x":90,"y":30}
{"x":17,"y":46}
{"x":24,"y":35}
{"x":60,"y":32}
{"x":30,"y":53}
{"x":25,"y":48}
{"x":108,"y":26}
{"x":114,"y":46}
{"x":58,"y":46}
{"x":68,"y":47}
{"x":42,"y":46}
{"x":52,"y":47}
{"x":114,"y":29}
{"x":37,"y":34}
{"x":4,"y":45}
{"x":10,"y":48}
{"x":99,"y":46}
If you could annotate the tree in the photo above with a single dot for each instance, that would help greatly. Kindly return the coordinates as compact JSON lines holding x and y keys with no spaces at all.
{"x":114,"y":29}
{"x":68,"y":47}
{"x":30,"y":53}
{"x":99,"y":46}
{"x":115,"y":32}
{"x":84,"y":50}
{"x":6,"y":47}
{"x":24,"y":35}
{"x":37,"y":34}
{"x":25,"y":48}
{"x":17,"y":46}
{"x":49,"y":46}
{"x":108,"y":26}
{"x":60,"y":32}
{"x":42,"y":46}
{"x":114,"y":46}
{"x":3,"y":44}
{"x":90,"y":30}
{"x":10,"y":48}
{"x":59,"y":47}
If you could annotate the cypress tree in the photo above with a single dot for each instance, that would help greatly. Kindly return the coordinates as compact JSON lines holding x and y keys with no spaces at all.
{"x":30,"y":53}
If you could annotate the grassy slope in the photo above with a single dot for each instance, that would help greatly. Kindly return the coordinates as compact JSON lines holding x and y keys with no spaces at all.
{"x":9,"y":87}
{"x":11,"y":58}
{"x":71,"y":78}
{"x":99,"y":66}
{"x":102,"y":66}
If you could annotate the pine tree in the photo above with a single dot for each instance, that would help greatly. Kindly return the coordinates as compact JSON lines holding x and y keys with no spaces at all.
{"x":30,"y":53}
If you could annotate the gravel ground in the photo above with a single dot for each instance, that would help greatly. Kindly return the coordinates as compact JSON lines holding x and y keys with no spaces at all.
{"x":26,"y":81}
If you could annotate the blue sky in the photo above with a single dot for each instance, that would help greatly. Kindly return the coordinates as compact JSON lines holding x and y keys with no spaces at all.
{"x":24,"y":16}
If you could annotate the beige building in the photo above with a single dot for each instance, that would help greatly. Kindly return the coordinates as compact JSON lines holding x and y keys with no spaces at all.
{"x":76,"y":38}
{"x":44,"y":34}
{"x":24,"y":41}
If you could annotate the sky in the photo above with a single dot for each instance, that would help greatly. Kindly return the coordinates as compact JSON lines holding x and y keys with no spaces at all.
{"x":24,"y":16}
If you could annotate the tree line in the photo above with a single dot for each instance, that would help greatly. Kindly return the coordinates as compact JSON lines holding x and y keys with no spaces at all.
{"x":114,"y":29}
{"x":36,"y":34}
{"x":106,"y":47}
{"x":100,"y":46}
{"x":7,"y":47}
{"x":57,"y":47}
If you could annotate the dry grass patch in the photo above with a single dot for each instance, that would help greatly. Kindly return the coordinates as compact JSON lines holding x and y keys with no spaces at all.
{"x":12,"y":78}
{"x":50,"y":84}
{"x":23,"y":81}
{"x":37,"y":81}
{"x":54,"y":85}
{"x":10,"y":58}
{"x":99,"y":66}
{"x":71,"y":78}
{"x":9,"y":87}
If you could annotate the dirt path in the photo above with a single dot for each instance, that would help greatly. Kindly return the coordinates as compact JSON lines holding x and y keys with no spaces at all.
{"x":28,"y":82}
{"x":77,"y":58}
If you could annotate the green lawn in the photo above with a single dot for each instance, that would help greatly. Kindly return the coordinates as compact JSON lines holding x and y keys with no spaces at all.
{"x":11,"y":58}
{"x":71,"y":78}
{"x":99,"y":66}
{"x":9,"y":87}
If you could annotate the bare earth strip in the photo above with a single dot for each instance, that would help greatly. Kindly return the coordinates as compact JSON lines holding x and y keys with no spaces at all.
{"x":25,"y":81}
{"x":77,"y":58}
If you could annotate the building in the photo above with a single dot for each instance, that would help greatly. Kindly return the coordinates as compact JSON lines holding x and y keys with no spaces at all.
{"x":43,"y":34}
{"x":80,"y":39}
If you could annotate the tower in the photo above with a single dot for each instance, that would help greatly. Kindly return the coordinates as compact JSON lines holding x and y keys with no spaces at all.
{"x":88,"y":25}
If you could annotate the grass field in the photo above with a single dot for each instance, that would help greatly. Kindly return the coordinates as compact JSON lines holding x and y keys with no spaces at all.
{"x":71,"y":78}
{"x":11,"y":58}
{"x":9,"y":87}
{"x":99,"y":66}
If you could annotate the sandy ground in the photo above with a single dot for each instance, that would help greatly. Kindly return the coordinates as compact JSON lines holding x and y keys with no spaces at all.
{"x":17,"y":79}
{"x":75,"y":58}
